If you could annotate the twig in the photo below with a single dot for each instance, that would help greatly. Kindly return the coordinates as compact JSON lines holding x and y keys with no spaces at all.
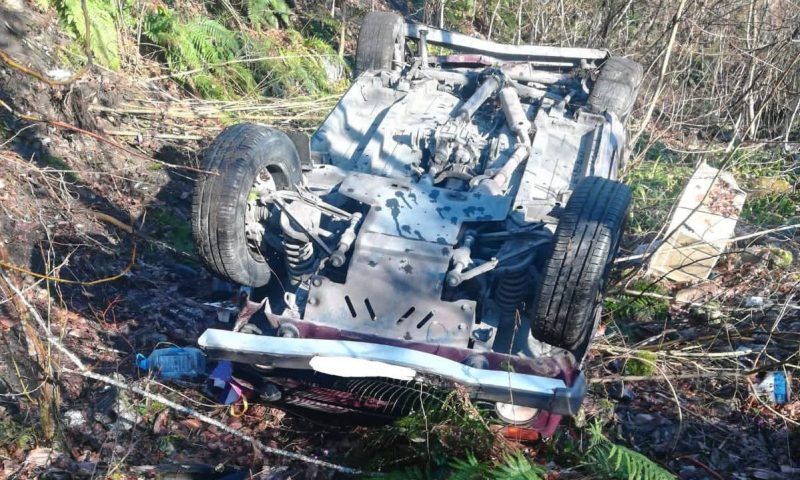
{"x":660,"y":378}
{"x":83,"y":371}
{"x":87,"y":45}
{"x":57,"y":123}
{"x":702,"y":465}
{"x":697,"y":244}
{"x":159,"y":136}
{"x":127,"y":228}
{"x":44,"y":276}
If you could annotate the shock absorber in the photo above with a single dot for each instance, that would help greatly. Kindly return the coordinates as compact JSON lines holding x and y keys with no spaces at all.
{"x":297,"y":221}
{"x":514,"y":278}
{"x":299,"y":258}
{"x":511,"y":290}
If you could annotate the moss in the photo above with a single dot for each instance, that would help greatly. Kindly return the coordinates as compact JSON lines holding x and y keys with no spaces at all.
{"x":639,"y":308}
{"x":149,"y":409}
{"x":62,"y":166}
{"x":780,"y":258}
{"x":173,"y":230}
{"x":642,"y":364}
{"x":15,"y":435}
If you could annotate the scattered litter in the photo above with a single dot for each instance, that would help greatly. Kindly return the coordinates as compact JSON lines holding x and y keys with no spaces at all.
{"x":41,"y":457}
{"x":124,"y":407}
{"x":701,"y":226}
{"x":225,"y":310}
{"x":174,"y":362}
{"x":223,"y":384}
{"x":74,"y":419}
{"x":754,"y":302}
{"x":59,"y":74}
{"x":233,"y":391}
{"x":774,"y":388}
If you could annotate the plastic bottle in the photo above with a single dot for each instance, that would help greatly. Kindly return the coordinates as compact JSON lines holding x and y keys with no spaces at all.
{"x":174,"y":362}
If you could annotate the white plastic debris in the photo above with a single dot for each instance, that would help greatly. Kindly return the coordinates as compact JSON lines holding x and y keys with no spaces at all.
{"x":225,"y":310}
{"x":701,"y":226}
{"x":74,"y":418}
{"x":754,"y":302}
{"x":59,"y":74}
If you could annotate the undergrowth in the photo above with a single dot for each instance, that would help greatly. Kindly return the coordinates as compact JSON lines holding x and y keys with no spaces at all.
{"x":219,"y":53}
{"x":771,"y":179}
{"x":656,"y":182}
{"x":633,"y":307}
{"x":102,"y":24}
{"x":219,"y":62}
{"x":449,"y":438}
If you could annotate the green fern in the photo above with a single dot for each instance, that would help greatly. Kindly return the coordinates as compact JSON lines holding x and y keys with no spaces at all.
{"x":203,"y":46}
{"x":267,"y":13}
{"x":295,"y":65}
{"x":211,"y":52}
{"x":516,"y":467}
{"x":469,"y":468}
{"x":102,"y":24}
{"x":618,"y":462}
{"x":511,"y":467}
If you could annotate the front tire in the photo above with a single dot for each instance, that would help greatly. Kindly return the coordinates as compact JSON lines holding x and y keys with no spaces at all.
{"x":239,"y":158}
{"x":567,"y":300}
{"x":616,"y":87}
{"x":381,"y":41}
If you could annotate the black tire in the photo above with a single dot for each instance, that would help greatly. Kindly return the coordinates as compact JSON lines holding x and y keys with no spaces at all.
{"x":616,"y":88}
{"x":380,"y":34}
{"x":234,"y":159}
{"x":575,"y":273}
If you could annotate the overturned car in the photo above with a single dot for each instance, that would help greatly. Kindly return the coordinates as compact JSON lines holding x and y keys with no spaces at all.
{"x":451,"y":222}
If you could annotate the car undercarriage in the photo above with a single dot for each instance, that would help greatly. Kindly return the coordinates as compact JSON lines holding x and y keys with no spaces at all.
{"x":450,"y":225}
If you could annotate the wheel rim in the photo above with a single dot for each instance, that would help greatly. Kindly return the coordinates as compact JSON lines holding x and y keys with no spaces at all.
{"x":258,"y":211}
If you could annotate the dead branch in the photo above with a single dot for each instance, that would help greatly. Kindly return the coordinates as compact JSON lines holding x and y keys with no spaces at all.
{"x":82,"y":370}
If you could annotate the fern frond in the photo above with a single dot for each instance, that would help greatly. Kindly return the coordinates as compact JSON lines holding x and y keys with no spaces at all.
{"x":468,"y":469}
{"x":517,"y":467}
{"x":267,"y":13}
{"x":620,"y":462}
{"x":410,"y":473}
{"x":102,"y":24}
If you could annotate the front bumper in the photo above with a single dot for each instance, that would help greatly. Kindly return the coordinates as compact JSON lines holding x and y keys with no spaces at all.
{"x":544,"y":393}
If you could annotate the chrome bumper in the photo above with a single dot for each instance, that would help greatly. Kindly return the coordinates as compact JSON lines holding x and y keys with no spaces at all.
{"x":550,"y":394}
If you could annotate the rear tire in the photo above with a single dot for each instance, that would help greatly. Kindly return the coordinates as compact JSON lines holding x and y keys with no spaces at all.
{"x":616,"y":88}
{"x":234,"y":159}
{"x":566,"y":301}
{"x":380,"y":37}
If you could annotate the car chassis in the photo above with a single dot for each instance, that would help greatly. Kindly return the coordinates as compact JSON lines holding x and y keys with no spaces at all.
{"x":423,"y":220}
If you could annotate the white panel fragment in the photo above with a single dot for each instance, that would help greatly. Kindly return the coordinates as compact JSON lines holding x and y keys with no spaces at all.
{"x":701,"y":226}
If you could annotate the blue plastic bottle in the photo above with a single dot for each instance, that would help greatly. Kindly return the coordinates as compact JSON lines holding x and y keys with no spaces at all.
{"x":174,"y":362}
{"x":780,"y":390}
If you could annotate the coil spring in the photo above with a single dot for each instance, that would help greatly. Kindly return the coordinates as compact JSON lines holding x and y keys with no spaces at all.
{"x":511,"y":289}
{"x":299,"y":258}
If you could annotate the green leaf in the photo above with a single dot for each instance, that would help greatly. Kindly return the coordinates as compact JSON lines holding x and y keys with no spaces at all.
{"x":104,"y":39}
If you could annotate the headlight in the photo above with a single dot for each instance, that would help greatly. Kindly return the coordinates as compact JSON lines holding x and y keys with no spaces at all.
{"x":515,"y":414}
